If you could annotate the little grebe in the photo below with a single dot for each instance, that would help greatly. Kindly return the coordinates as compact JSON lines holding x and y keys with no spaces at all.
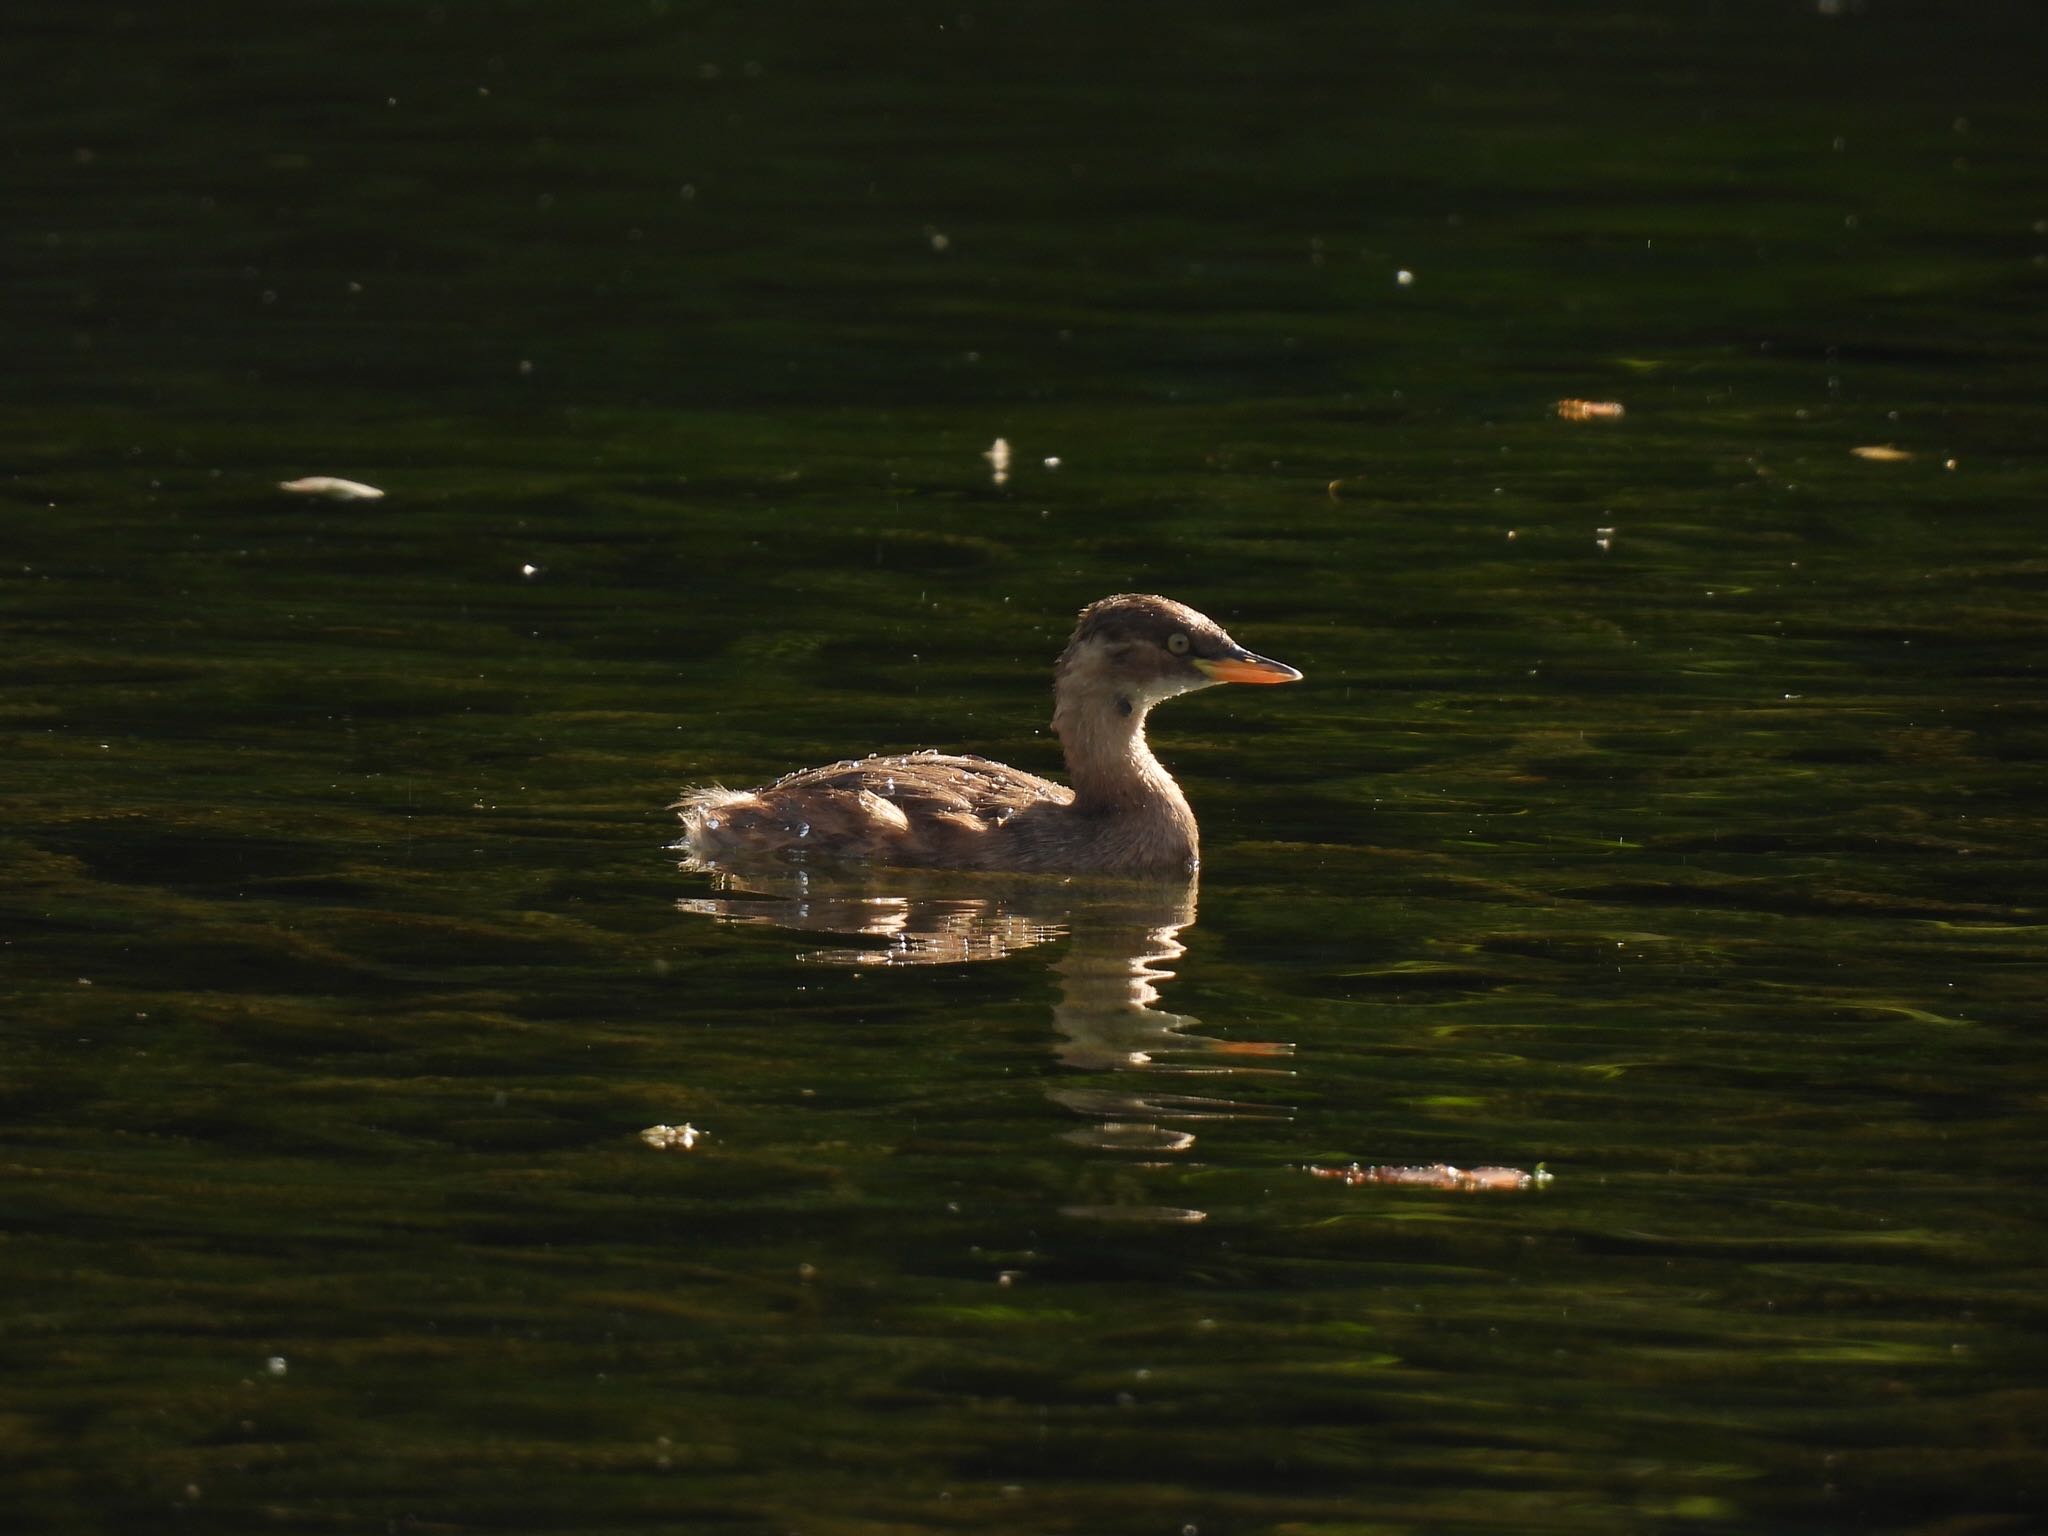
{"x":1123,"y":815}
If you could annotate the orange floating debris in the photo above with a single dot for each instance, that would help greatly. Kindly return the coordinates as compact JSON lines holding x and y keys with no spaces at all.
{"x":1591,"y":410}
{"x":1883,"y":453}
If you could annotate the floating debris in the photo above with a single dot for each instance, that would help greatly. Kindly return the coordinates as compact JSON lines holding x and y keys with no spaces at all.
{"x":1052,"y":463}
{"x":998,"y":455}
{"x":1882,"y":453}
{"x":1591,"y":410}
{"x":1405,"y":278}
{"x":331,"y":488}
{"x":1603,"y":538}
{"x":668,"y":1137}
{"x":1439,"y":1176}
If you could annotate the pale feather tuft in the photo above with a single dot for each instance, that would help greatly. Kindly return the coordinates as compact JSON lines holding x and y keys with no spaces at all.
{"x":708,"y":815}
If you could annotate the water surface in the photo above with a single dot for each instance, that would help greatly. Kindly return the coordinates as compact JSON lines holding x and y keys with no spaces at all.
{"x":1663,"y":805}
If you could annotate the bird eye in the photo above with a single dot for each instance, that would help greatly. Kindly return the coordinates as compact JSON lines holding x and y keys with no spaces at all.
{"x":1177,"y":643}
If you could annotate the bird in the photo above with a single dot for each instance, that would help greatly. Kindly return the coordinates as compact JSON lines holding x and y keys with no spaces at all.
{"x":1121,"y":814}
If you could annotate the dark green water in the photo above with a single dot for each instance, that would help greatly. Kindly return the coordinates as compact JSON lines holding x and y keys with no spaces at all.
{"x":343,"y":961}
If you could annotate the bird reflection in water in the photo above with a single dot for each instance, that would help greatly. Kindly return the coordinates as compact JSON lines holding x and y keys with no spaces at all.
{"x":1121,"y":940}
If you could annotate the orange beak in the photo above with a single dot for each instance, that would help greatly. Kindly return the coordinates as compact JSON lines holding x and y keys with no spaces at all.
{"x":1244,"y":667}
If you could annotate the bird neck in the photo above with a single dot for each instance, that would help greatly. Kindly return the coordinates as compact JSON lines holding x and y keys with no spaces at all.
{"x":1109,"y":762}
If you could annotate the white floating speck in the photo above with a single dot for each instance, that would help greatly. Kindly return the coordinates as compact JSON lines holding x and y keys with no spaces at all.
{"x":668,"y":1137}
{"x":331,"y":488}
{"x":529,"y":570}
{"x":276,"y":1365}
{"x":1405,"y":278}
{"x":998,"y":455}
{"x":1052,"y":463}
